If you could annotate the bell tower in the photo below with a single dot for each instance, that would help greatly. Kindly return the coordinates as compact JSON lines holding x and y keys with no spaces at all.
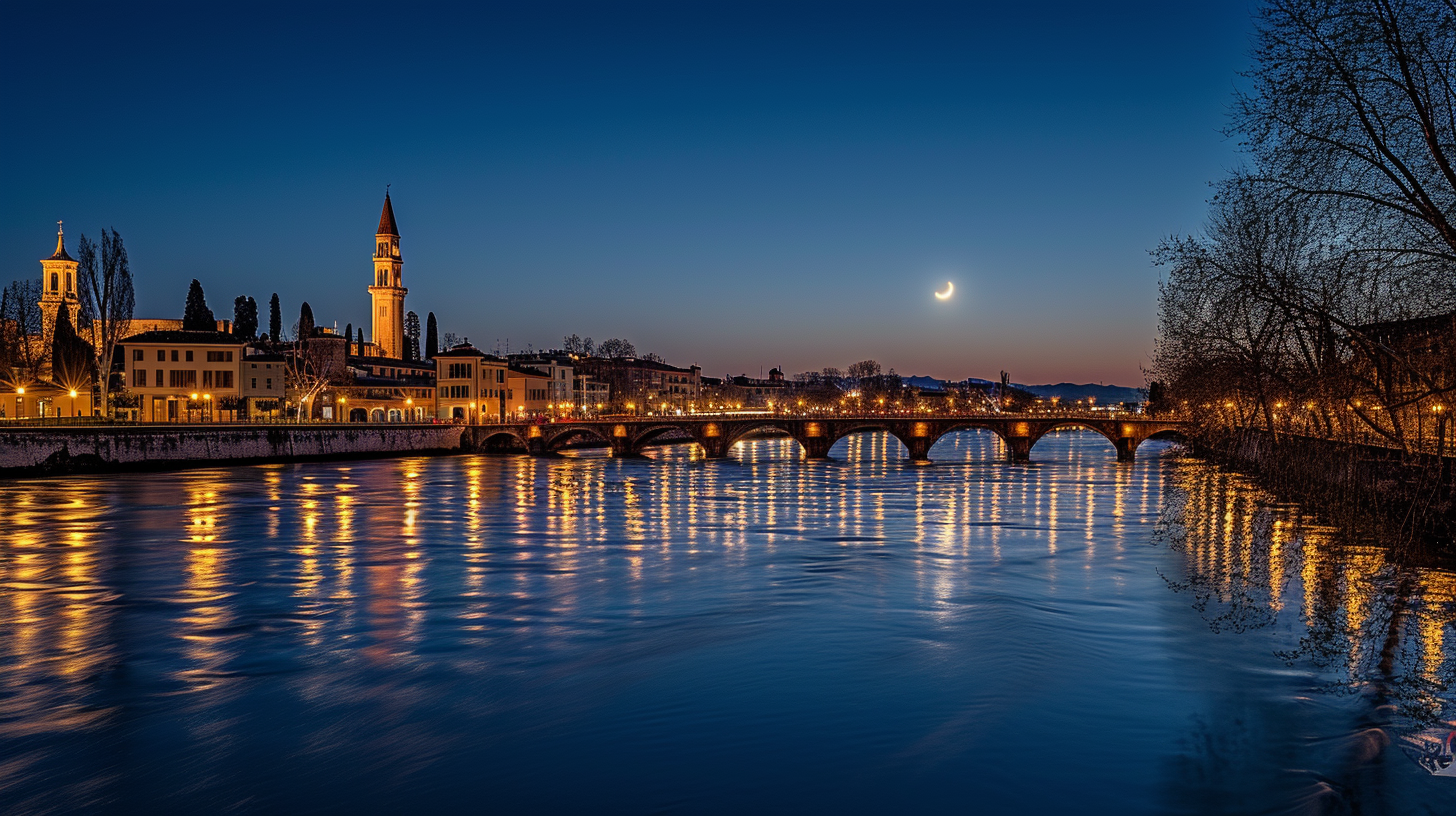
{"x":388,"y":290}
{"x":58,"y":285}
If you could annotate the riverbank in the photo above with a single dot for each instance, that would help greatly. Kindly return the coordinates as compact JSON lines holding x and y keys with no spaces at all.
{"x":1408,"y":495}
{"x":50,"y":451}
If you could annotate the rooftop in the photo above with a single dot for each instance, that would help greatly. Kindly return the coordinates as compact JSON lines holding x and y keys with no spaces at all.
{"x":180,"y":337}
{"x":386,"y":219}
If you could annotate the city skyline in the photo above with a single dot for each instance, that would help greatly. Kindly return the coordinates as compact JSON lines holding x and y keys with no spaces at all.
{"x":791,"y":196}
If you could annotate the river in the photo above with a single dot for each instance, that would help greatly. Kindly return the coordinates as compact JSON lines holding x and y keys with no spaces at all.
{"x":763,"y":634}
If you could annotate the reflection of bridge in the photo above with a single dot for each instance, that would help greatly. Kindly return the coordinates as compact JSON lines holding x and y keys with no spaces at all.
{"x":627,"y":436}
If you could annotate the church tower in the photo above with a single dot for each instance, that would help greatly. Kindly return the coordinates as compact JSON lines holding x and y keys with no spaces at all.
{"x":58,"y":285}
{"x":388,"y":290}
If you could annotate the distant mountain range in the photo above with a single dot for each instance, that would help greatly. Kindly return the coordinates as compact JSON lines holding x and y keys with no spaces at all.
{"x":1068,"y":392}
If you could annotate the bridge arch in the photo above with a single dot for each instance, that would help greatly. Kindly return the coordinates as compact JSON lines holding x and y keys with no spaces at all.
{"x":559,"y":438}
{"x":647,"y":435}
{"x":738,"y":432}
{"x":844,"y":430}
{"x":1165,"y":435}
{"x":501,"y":441}
{"x":1078,"y":424}
{"x":954,"y":427}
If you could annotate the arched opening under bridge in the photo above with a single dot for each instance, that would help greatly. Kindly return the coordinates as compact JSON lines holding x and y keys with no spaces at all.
{"x":577,"y":439}
{"x":502,"y":442}
{"x":869,"y":443}
{"x":766,"y":443}
{"x":969,"y":443}
{"x":1073,"y":442}
{"x":666,"y":441}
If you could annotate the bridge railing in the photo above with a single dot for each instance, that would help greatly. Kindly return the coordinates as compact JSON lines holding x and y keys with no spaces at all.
{"x":1089,"y":416}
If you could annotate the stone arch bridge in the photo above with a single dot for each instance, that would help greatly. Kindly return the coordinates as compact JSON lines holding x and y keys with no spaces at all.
{"x":628,"y":436}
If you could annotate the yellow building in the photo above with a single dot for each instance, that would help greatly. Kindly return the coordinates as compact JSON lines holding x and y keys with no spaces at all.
{"x":183,"y":376}
{"x":470,"y":385}
{"x":528,"y":392}
{"x":43,"y":400}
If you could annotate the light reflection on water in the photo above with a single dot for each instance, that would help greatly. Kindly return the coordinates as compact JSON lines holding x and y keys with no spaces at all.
{"x":765,"y":634}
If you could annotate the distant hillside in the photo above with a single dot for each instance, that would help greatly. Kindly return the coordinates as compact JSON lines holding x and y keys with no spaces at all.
{"x":1068,"y":392}
{"x":1071,"y":391}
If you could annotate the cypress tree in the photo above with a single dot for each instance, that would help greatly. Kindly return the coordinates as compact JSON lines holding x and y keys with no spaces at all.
{"x":305,"y":322}
{"x":196,"y":316}
{"x":348,"y":337}
{"x":275,"y":319}
{"x":411,"y":336}
{"x":70,"y":355}
{"x":432,"y":337}
{"x":245,"y":318}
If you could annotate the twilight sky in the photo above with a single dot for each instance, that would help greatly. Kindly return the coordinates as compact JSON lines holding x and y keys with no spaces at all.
{"x":735,"y":185}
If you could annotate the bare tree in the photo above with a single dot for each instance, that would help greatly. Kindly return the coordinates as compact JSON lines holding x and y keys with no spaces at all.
{"x":24,"y":358}
{"x":616,"y":347}
{"x":108,"y":301}
{"x":1353,"y":102}
{"x":313,"y":365}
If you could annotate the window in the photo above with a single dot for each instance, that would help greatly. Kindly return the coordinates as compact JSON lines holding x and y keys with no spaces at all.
{"x":255,"y":383}
{"x":174,"y":355}
{"x":136,"y":355}
{"x":182,"y":378}
{"x":223,"y":379}
{"x":69,"y":288}
{"x":55,"y":282}
{"x":270,"y":384}
{"x":252,"y":365}
{"x":219,"y":356}
{"x":159,"y":378}
{"x":161,"y":356}
{"x":207,"y":379}
{"x":141,"y":378}
{"x":189,"y":356}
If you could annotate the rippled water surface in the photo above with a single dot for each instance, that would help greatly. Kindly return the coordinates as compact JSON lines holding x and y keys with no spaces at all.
{"x":758,"y":635}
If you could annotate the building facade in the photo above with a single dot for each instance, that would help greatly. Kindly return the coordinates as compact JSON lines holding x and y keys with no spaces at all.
{"x":470,"y":385}
{"x":186,"y":376}
{"x":640,"y":385}
{"x":528,"y":392}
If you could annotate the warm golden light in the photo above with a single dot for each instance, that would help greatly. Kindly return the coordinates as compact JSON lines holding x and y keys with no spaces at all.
{"x":949,"y":290}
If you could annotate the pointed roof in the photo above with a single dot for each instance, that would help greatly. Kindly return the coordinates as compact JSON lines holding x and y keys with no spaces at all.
{"x":60,"y":245}
{"x":386,"y":219}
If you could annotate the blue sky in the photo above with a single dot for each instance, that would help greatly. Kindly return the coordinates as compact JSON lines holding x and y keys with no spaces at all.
{"x":735,"y":185}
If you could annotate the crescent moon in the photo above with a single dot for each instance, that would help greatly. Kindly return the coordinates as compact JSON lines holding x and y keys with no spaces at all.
{"x":949,"y":290}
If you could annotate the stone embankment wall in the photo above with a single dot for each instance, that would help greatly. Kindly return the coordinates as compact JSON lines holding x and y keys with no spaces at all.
{"x":49,"y":451}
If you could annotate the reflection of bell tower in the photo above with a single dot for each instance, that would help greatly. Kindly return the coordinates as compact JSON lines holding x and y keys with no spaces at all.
{"x":58,"y":285}
{"x":388,"y":290}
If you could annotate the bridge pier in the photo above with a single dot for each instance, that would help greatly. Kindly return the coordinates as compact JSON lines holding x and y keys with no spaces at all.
{"x":919,"y":448}
{"x":714,"y":447}
{"x":1127,"y":448}
{"x":816,"y":447}
{"x":1018,"y":448}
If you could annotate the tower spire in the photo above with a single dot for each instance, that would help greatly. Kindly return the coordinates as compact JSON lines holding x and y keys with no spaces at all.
{"x":60,"y":254}
{"x":386,"y":217}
